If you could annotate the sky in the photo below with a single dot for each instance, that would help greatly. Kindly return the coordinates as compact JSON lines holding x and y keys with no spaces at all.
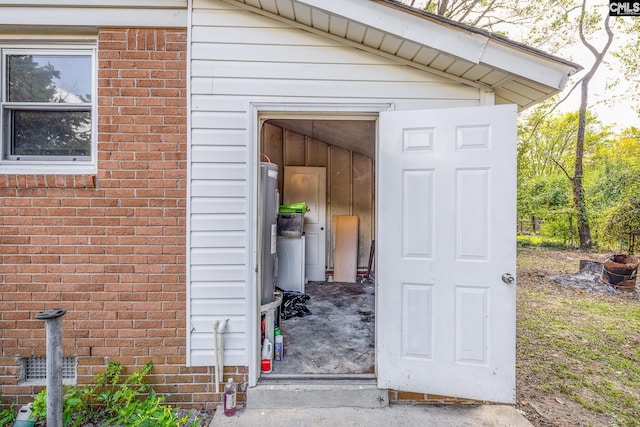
{"x":620,"y":113}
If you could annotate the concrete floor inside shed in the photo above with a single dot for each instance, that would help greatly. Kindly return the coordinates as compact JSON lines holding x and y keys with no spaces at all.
{"x":338,"y":337}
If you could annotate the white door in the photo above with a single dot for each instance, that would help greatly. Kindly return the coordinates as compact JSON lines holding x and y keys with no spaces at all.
{"x":446,"y":235}
{"x":309,"y":185}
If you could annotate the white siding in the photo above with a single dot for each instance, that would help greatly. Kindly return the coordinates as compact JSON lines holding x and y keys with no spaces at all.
{"x":239,"y":57}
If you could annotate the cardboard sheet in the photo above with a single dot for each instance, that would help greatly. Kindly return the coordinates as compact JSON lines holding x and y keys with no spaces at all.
{"x":345,"y":248}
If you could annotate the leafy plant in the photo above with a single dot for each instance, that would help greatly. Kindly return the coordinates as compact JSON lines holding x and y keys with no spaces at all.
{"x":7,"y":416}
{"x":118,"y":399}
{"x":623,"y":224}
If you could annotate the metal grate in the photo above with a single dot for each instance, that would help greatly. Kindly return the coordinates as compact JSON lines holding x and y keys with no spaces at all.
{"x":34,"y":370}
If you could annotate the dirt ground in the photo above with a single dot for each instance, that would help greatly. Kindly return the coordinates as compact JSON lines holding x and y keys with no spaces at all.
{"x":542,"y":405}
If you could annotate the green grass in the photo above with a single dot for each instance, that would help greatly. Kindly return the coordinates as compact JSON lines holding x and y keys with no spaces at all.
{"x":585,"y":347}
{"x":525,"y":240}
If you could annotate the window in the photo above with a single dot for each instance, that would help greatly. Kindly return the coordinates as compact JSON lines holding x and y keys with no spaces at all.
{"x":47,"y":115}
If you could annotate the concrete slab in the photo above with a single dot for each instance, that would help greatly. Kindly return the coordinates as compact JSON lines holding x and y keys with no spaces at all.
{"x":313,"y":395}
{"x":390,"y":416}
{"x":337,"y":338}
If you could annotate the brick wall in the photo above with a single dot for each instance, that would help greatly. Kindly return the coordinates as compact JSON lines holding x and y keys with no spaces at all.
{"x":109,"y":248}
{"x":410,"y":398}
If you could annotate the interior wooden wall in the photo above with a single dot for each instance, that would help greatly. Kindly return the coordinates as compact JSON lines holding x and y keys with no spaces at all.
{"x":350,"y":180}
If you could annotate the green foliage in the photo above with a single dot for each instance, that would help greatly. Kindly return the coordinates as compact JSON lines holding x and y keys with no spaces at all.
{"x":542,"y":195}
{"x":612,"y":185}
{"x":119,"y":400}
{"x":629,"y":58}
{"x":623,"y":224}
{"x":7,"y":415}
{"x":76,"y":406}
{"x":561,"y":226}
{"x":545,"y":199}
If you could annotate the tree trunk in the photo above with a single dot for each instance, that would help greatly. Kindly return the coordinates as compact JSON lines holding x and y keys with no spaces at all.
{"x":582,"y":218}
{"x":584,"y":232}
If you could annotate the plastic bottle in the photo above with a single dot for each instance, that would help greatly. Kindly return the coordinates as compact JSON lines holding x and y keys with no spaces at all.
{"x":278,"y":347}
{"x":267,"y":354}
{"x":230,"y":392}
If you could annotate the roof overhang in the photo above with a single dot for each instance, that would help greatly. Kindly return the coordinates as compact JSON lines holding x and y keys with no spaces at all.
{"x":514,"y":72}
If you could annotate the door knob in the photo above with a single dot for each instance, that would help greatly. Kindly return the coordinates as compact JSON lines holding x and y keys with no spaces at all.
{"x":508,"y":278}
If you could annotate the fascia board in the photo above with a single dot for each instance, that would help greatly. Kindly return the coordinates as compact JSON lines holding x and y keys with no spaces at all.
{"x":536,"y":68}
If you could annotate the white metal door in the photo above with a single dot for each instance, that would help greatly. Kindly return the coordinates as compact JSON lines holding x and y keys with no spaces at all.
{"x":309,"y":185}
{"x":446,"y":236}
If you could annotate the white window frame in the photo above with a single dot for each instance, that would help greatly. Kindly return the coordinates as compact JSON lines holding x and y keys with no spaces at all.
{"x":46,"y":165}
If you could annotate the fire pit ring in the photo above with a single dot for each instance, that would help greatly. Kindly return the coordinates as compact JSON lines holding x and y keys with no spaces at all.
{"x":620,"y":271}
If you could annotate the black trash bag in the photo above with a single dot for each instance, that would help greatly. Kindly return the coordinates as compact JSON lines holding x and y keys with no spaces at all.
{"x":293,"y":305}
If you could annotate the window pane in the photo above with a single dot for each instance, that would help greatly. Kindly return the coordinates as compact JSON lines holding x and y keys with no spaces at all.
{"x":50,"y":133}
{"x":49,"y":78}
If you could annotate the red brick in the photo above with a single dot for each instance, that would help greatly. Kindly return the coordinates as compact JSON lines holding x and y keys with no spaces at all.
{"x":113,"y":256}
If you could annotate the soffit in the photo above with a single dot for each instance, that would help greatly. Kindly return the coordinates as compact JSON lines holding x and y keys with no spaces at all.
{"x":514,"y":72}
{"x":358,"y":136}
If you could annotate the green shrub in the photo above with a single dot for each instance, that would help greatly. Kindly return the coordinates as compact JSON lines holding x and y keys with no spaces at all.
{"x":622,"y":226}
{"x":117,"y":400}
{"x":7,"y":415}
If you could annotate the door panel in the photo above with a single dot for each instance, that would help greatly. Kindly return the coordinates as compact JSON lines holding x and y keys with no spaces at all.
{"x":446,"y":234}
{"x":309,"y":185}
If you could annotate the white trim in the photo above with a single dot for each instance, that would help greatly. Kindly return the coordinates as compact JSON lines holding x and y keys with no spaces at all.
{"x":188,"y":200}
{"x":102,"y":3}
{"x":252,"y":307}
{"x":258,"y":111}
{"x":92,"y":16}
{"x":63,"y":36}
{"x":487,"y":97}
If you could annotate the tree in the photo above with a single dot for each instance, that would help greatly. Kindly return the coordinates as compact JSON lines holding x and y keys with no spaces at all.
{"x":623,"y":223}
{"x":629,"y":58}
{"x":45,"y":131}
{"x":586,"y":21}
{"x":612,"y":186}
{"x":545,"y":163}
{"x":555,"y":26}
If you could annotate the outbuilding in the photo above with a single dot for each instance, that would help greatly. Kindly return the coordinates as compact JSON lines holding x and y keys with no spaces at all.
{"x":369,"y":108}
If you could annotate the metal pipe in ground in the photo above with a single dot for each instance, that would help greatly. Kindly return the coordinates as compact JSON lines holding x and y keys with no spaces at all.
{"x":53,"y":325}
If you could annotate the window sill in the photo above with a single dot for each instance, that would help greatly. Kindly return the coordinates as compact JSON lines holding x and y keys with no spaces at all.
{"x":34,"y":180}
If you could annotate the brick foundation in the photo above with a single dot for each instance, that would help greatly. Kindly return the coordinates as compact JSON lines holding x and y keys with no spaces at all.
{"x":409,"y":398}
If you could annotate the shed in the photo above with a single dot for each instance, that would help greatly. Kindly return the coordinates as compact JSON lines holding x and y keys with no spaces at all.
{"x":410,"y":120}
{"x":147,"y":229}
